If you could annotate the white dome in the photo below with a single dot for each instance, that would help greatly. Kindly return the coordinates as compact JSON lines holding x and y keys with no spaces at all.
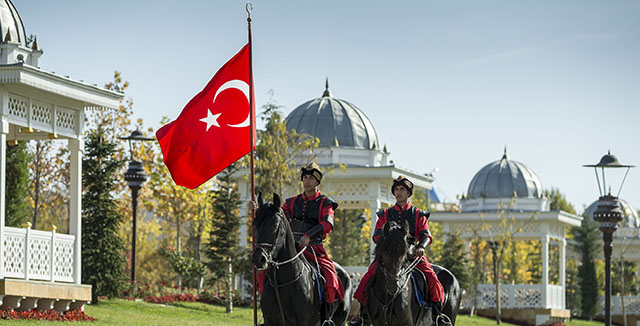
{"x":334,"y":122}
{"x":11,"y":22}
{"x":504,"y":179}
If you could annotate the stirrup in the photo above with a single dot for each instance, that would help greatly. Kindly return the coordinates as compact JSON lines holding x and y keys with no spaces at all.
{"x":444,"y":319}
{"x":328,"y":322}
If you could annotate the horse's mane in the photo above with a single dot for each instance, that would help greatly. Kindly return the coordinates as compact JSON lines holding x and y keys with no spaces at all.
{"x":386,"y":241}
{"x":267,"y":210}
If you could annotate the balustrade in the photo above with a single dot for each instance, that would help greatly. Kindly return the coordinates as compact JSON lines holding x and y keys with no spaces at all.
{"x":38,"y":255}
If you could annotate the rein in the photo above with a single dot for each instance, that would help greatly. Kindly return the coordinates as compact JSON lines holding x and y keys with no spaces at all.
{"x":403,"y":272}
{"x":277,"y":265}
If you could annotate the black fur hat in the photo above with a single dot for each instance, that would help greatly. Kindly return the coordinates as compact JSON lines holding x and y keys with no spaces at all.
{"x":313,"y":169}
{"x":403,"y":181}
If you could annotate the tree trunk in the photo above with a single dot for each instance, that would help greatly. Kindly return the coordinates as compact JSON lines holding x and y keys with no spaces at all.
{"x":624,"y":313}
{"x":229,"y":286}
{"x":496,"y":280}
{"x":201,"y":213}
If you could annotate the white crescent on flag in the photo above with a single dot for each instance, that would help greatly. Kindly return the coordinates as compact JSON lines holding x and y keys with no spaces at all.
{"x":244,"y":88}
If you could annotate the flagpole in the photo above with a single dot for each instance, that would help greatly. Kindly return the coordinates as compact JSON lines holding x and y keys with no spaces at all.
{"x":249,"y":8}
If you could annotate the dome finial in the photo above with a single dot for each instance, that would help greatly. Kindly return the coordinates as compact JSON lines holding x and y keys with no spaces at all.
{"x":7,"y":37}
{"x":326,"y":93}
{"x":504,"y":156}
{"x":34,"y":45}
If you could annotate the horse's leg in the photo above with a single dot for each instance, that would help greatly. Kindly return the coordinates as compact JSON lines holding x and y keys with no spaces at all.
{"x":341,"y":312}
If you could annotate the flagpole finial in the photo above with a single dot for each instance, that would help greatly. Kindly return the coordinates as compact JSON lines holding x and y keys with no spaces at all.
{"x":249,"y":8}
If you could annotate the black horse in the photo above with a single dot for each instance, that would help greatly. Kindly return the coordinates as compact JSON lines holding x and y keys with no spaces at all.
{"x":290,"y":296}
{"x":392,"y":299}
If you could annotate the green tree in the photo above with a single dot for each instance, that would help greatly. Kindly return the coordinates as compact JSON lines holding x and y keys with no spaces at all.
{"x":42,"y":171}
{"x":573,"y":296}
{"x":454,"y":258}
{"x":174,"y":207}
{"x":102,"y":250}
{"x":222,"y":249}
{"x":17,"y":181}
{"x":558,"y":201}
{"x":534,"y":266}
{"x":346,"y":241}
{"x":276,"y":151}
{"x":586,"y":241}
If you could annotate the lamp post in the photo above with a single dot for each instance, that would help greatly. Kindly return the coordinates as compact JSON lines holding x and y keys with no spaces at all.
{"x":135,"y":177}
{"x":608,"y":214}
{"x":495,"y":245}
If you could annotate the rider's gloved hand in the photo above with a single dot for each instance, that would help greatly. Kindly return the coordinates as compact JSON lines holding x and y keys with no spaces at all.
{"x":304,"y":241}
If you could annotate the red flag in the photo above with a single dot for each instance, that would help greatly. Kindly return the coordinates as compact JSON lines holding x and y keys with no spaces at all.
{"x":213,"y":129}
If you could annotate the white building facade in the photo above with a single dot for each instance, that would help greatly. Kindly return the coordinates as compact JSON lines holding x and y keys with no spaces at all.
{"x":41,"y":269}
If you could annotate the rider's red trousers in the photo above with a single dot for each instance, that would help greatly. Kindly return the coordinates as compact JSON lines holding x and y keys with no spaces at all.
{"x":436,"y":293}
{"x":333,"y":285}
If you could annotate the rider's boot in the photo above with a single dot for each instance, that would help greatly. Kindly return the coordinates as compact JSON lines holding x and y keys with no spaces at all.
{"x":327,"y":314}
{"x":439,"y":318}
{"x":363,"y":318}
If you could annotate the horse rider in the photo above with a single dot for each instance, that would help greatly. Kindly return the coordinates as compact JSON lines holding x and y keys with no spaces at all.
{"x":402,"y":189}
{"x":310,"y":215}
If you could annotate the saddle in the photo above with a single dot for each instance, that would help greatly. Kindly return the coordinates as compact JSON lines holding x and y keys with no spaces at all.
{"x":318,"y":278}
{"x":420,"y":289}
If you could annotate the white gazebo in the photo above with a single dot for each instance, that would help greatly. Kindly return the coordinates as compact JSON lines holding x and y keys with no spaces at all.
{"x":506,"y":196}
{"x":41,"y":269}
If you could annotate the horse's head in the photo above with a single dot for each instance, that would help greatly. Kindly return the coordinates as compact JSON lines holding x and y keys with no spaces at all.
{"x":269,"y":224}
{"x":391,"y":253}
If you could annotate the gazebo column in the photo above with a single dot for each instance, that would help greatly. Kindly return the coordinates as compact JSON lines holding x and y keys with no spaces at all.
{"x":374,"y":205}
{"x":545,"y":269}
{"x":562,"y":269}
{"x":76,"y":147}
{"x":3,"y":168}
{"x":638,"y":274}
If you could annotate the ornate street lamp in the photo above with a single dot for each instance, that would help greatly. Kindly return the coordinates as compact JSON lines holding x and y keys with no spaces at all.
{"x":135,"y":177}
{"x":361,"y":220}
{"x":608,"y":213}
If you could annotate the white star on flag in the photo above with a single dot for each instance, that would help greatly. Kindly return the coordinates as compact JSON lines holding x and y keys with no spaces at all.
{"x":211,"y":119}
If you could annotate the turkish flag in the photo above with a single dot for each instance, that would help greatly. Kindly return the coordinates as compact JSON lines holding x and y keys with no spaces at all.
{"x":213,"y":129}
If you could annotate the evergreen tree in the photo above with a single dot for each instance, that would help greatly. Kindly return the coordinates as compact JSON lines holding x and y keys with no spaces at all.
{"x":586,"y":241}
{"x":534,"y":262}
{"x":346,"y":241}
{"x":454,"y":258}
{"x":223,"y":248}
{"x":559,"y":201}
{"x":103,"y":261}
{"x":573,"y":295}
{"x":17,"y":183}
{"x":513,"y":264}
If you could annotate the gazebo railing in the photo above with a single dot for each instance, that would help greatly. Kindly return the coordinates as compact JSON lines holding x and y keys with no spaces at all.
{"x":521,"y":296}
{"x":511,"y":296}
{"x":37,"y":255}
{"x":631,"y":305}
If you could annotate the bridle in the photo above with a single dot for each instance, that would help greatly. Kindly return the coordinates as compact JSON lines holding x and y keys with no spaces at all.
{"x":267,"y":249}
{"x":402,"y":279}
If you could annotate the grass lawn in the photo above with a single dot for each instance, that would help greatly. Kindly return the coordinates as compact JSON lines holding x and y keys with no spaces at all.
{"x":123,"y":312}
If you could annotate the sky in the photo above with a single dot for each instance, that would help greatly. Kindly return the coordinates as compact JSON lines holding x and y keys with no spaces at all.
{"x":447,"y":84}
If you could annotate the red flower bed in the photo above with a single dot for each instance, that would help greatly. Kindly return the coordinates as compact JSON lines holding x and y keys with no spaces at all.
{"x":170,"y":298}
{"x":50,"y":315}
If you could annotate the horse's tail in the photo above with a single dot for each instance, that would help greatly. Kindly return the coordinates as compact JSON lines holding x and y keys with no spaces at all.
{"x":342,"y":312}
{"x":452,"y":292}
